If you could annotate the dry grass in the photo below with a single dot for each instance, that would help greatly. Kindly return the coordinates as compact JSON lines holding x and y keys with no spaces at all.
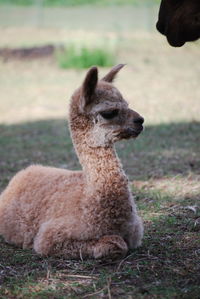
{"x":159,"y":81}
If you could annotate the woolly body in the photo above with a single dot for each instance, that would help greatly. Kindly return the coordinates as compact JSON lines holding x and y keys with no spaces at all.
{"x":88,"y":213}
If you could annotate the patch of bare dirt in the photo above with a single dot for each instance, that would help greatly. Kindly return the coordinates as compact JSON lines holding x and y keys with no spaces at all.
{"x":28,"y":53}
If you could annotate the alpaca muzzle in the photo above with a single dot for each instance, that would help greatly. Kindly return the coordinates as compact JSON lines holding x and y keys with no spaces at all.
{"x":130,"y":133}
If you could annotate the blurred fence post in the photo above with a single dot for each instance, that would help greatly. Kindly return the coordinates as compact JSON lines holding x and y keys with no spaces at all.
{"x":40,"y":12}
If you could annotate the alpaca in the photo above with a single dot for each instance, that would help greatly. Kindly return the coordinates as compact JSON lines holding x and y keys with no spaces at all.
{"x":179,"y":21}
{"x":80,"y":214}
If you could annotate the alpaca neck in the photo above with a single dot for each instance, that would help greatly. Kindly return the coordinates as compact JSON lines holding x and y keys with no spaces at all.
{"x":101,"y":166}
{"x":102,"y":169}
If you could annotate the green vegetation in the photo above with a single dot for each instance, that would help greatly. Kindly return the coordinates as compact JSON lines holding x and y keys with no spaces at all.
{"x":85,"y":57}
{"x":76,"y":2}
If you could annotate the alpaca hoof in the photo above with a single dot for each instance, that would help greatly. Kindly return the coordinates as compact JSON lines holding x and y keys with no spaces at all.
{"x":112,"y":246}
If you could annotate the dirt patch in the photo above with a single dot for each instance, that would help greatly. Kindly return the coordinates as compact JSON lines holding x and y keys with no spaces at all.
{"x":28,"y":53}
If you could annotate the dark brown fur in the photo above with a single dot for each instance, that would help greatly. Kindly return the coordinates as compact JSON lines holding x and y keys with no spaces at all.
{"x":179,"y":21}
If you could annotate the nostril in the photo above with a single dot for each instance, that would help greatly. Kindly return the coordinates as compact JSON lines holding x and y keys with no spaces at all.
{"x":138,"y":120}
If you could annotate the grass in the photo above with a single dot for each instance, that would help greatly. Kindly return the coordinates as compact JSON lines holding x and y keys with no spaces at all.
{"x":166,"y":266}
{"x":85,"y":57}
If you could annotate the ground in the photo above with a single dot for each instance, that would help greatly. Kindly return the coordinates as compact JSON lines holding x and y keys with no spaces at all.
{"x":163,"y":164}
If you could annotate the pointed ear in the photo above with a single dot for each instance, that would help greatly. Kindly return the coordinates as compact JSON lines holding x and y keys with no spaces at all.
{"x":89,"y":86}
{"x":113,"y":72}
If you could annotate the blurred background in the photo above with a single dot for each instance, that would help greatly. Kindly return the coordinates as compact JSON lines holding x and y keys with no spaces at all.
{"x":46,"y":44}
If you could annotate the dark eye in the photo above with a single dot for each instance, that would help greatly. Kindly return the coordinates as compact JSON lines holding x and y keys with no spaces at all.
{"x":109,"y":114}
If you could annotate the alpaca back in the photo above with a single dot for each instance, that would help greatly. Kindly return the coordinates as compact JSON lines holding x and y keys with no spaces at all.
{"x":37,"y":194}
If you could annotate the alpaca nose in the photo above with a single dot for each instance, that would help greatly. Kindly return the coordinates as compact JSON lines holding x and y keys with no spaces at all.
{"x":139,"y":120}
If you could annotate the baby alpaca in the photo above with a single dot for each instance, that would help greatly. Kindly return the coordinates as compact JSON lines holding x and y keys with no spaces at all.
{"x":80,"y":214}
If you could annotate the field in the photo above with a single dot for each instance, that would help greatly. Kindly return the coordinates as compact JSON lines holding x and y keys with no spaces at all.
{"x":163,"y":164}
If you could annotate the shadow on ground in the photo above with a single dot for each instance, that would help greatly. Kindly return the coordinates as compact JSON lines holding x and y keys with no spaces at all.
{"x":167,"y":264}
{"x":160,"y":151}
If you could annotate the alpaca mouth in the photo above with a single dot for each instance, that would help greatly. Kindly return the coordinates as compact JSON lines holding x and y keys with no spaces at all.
{"x":160,"y":27}
{"x":130,"y":133}
{"x":173,"y":39}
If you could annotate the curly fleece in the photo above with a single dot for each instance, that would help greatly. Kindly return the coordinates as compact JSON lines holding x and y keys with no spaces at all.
{"x":74,"y":214}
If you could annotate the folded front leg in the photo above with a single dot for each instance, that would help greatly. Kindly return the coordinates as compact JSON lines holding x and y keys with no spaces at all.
{"x":135,"y":233}
{"x":111,"y":246}
{"x":55,"y":239}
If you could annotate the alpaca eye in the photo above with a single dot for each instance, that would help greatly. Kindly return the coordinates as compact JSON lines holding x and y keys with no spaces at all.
{"x":109,"y":114}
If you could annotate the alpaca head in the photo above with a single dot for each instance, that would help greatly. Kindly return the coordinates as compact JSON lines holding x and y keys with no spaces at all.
{"x":99,"y":113}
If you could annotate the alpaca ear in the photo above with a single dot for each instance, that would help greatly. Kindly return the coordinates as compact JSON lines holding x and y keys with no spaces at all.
{"x":113,"y":72}
{"x":89,"y":85}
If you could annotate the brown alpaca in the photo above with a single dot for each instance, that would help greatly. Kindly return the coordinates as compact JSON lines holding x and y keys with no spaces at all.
{"x":88,"y":213}
{"x":179,"y":21}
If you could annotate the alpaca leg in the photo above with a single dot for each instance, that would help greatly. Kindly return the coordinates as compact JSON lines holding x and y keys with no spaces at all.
{"x":135,"y":234}
{"x":111,"y":246}
{"x":56,"y":240}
